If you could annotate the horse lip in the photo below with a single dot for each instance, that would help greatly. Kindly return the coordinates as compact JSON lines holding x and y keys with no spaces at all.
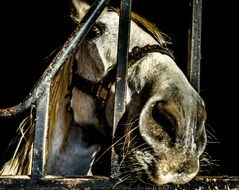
{"x":176,"y":178}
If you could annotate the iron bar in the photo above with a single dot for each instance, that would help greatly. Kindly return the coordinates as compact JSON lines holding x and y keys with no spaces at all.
{"x":39,"y":146}
{"x":122,"y":65}
{"x":122,"y":61}
{"x":194,"y":44}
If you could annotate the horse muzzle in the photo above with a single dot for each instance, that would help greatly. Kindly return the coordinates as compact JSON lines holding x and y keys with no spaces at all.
{"x":176,"y":141}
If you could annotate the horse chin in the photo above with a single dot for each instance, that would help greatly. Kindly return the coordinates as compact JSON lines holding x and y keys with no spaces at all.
{"x":175,"y":171}
{"x":150,"y":167}
{"x":173,"y":178}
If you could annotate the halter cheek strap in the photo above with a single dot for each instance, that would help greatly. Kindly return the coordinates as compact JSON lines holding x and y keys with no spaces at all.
{"x":99,"y":90}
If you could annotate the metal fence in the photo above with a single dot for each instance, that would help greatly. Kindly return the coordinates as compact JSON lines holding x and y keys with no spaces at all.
{"x":40,"y":96}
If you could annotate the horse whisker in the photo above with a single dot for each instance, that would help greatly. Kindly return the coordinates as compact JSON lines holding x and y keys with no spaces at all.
{"x":112,"y":146}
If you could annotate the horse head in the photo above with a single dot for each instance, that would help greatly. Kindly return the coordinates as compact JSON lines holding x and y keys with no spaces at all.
{"x":162,"y":135}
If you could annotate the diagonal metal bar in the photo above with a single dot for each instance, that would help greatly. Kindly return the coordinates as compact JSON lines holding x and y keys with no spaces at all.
{"x":68,"y":48}
{"x":122,"y":64}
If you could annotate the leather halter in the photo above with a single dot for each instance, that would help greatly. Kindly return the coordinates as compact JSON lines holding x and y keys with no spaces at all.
{"x":100,"y":91}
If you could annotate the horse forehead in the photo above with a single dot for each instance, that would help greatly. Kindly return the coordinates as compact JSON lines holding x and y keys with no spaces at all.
{"x":109,"y":17}
{"x":106,"y":44}
{"x":110,"y":21}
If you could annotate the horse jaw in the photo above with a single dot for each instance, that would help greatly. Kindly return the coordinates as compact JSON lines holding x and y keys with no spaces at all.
{"x":73,"y":152}
{"x":69,"y":153}
{"x":76,"y":157}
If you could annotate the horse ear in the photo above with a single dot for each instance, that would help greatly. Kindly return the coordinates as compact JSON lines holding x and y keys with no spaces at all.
{"x":81,"y":7}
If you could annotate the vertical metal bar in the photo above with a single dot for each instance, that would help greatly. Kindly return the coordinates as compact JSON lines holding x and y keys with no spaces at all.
{"x":122,"y":60}
{"x":122,"y":63}
{"x":42,"y":106}
{"x":194,"y":44}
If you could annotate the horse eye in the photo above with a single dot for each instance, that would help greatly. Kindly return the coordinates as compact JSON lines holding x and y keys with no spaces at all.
{"x":95,"y":32}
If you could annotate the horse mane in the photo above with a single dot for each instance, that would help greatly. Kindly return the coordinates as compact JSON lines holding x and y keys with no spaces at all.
{"x":22,"y":155}
{"x":21,"y":162}
{"x":59,"y":100}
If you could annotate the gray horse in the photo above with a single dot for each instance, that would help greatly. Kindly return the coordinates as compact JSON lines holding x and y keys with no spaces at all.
{"x":162,"y":135}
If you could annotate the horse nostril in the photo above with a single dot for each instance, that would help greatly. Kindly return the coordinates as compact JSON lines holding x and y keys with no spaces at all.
{"x":165,"y":121}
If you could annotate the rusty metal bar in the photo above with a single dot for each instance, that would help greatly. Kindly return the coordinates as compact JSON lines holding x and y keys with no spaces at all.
{"x":38,"y":160}
{"x":194,"y":44}
{"x":57,"y":183}
{"x":122,"y":65}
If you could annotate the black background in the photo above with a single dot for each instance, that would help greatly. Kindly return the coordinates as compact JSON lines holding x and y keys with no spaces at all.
{"x":31,"y":31}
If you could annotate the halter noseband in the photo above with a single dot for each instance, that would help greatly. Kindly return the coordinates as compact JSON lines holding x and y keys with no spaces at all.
{"x":100,"y":90}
